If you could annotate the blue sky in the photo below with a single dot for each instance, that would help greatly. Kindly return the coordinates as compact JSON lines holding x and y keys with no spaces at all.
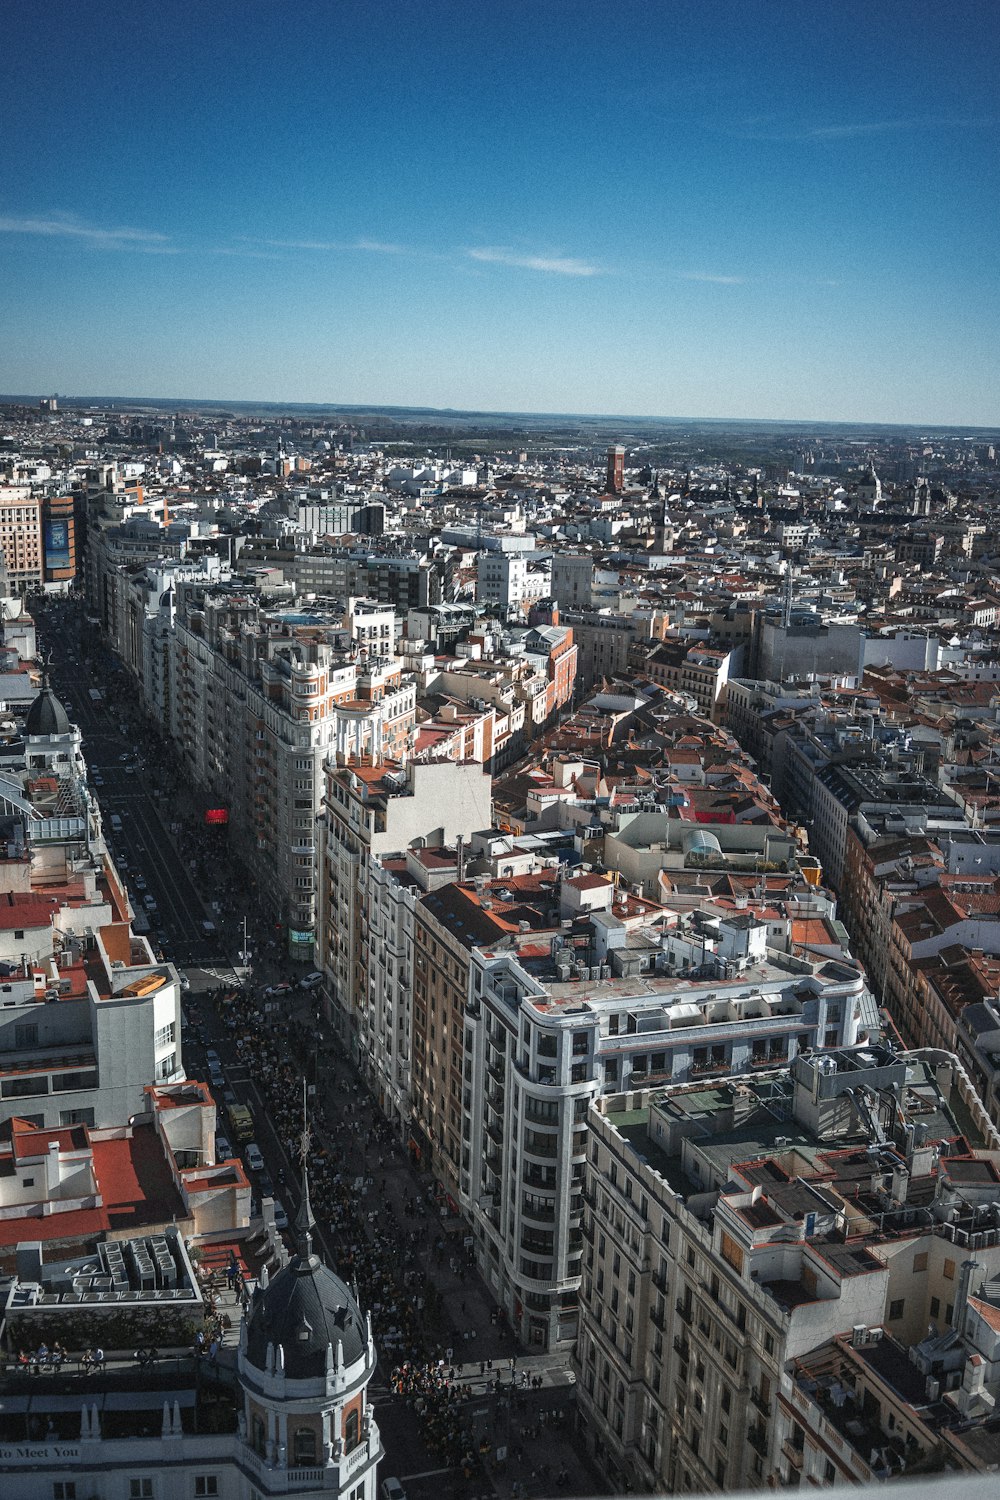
{"x":754,"y":209}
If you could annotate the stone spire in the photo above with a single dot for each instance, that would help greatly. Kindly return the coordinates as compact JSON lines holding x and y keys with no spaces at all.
{"x":304,"y":1222}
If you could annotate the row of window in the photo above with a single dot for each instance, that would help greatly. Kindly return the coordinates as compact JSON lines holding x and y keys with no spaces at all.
{"x":141,"y":1488}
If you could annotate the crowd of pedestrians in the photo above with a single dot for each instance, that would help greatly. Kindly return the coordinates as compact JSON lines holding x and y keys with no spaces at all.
{"x":431,"y":1392}
{"x":350,"y":1149}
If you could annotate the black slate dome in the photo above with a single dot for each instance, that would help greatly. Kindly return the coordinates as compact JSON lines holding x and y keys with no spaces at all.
{"x":305,"y":1308}
{"x":47,"y":715}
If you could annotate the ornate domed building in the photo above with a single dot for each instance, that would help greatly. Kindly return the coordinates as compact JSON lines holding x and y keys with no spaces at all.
{"x":46,"y":718}
{"x":869,"y":491}
{"x":305,"y":1359}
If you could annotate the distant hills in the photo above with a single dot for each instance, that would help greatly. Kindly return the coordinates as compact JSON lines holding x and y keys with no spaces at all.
{"x":626,"y":428}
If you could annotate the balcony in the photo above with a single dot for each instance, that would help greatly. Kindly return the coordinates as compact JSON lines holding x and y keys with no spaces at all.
{"x":757,"y":1438}
{"x":684,"y":1311}
{"x":793,"y":1454}
{"x":764,"y":1407}
{"x":682,"y":1348}
{"x":332,"y":1476}
{"x":658,"y":1318}
{"x":541,"y":1213}
{"x":548,"y":1147}
{"x":705,"y":1069}
{"x":49,"y":1060}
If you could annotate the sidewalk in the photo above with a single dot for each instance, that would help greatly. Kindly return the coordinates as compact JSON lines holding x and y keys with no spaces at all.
{"x":535,"y":1450}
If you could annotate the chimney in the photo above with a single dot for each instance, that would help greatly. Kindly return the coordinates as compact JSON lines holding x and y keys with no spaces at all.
{"x":962,"y":1294}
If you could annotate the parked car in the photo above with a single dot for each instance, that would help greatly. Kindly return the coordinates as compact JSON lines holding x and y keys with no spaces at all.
{"x":254,"y":1159}
{"x":223,"y":1149}
{"x":392,"y":1490}
{"x":280,"y":1217}
{"x":212,"y":1058}
{"x":311,"y":981}
{"x":277,"y":989}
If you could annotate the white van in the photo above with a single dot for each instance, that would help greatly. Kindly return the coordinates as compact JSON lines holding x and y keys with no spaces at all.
{"x":116,"y":823}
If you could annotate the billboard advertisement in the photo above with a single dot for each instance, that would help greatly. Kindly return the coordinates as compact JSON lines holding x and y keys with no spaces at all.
{"x":56,"y":543}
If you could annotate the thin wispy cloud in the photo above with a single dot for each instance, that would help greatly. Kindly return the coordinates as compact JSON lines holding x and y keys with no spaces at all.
{"x":98,"y":237}
{"x":243,"y":252}
{"x":375,"y":247}
{"x":712,"y":279}
{"x":846,"y":130}
{"x":557,"y":265}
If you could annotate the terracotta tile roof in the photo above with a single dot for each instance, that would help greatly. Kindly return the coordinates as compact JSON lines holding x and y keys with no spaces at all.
{"x":986,"y":1310}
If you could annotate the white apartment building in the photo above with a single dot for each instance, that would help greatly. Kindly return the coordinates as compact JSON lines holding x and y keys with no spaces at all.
{"x":260,"y":702}
{"x":501,"y":579}
{"x":370,"y":812}
{"x":387,"y":984}
{"x":552,"y":1023}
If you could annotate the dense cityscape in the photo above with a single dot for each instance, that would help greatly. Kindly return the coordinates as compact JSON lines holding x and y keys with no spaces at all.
{"x":500,"y":926}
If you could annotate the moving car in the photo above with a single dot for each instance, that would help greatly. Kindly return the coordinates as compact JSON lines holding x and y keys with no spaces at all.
{"x":280,"y":1217}
{"x":223,"y":1150}
{"x":392,"y":1490}
{"x":254,"y":1159}
{"x":212,"y":1058}
{"x":241,"y":1122}
{"x":311,"y":981}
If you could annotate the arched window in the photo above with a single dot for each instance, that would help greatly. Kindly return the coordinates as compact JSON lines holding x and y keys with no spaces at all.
{"x":352,"y":1430}
{"x":304,"y":1446}
{"x":257,"y":1437}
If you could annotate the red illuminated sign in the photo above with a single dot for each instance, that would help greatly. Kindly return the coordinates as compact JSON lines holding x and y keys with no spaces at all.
{"x":217,"y":815}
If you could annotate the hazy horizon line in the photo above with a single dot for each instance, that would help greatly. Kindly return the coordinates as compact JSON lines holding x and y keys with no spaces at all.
{"x":417,"y":408}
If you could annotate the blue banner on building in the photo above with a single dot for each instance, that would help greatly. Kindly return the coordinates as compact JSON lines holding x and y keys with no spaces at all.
{"x":57,"y":544}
